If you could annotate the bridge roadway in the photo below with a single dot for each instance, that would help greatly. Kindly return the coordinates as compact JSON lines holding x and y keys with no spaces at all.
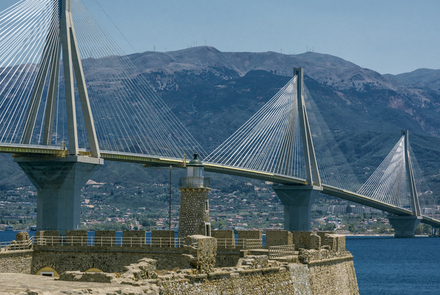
{"x":18,"y":150}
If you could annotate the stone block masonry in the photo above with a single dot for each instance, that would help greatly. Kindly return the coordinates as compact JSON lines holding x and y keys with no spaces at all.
{"x":306,"y":240}
{"x":76,"y":237}
{"x":250,"y":234}
{"x":199,"y":267}
{"x":16,"y":262}
{"x":105,"y":238}
{"x":225,"y":238}
{"x":194,"y":214}
{"x":202,"y":252}
{"x":133,"y":238}
{"x":278,"y":237}
{"x":47,"y":237}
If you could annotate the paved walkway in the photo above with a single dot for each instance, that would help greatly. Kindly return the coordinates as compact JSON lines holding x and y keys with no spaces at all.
{"x":37,"y":285}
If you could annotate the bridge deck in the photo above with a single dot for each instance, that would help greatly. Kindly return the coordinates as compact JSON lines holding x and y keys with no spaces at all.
{"x":44,"y":151}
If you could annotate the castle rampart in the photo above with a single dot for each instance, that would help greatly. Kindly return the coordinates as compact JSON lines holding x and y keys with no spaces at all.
{"x":196,"y":264}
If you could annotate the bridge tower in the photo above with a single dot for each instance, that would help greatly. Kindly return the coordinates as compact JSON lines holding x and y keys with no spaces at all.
{"x":298,"y":199}
{"x":405,"y":226}
{"x":59,"y":179}
{"x":194,"y":201}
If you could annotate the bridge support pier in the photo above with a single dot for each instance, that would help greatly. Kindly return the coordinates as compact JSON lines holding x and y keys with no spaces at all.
{"x":404,"y":226}
{"x":59,"y":182}
{"x":297,"y":201}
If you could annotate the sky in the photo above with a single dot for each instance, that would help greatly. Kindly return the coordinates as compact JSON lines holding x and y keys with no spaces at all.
{"x":388,"y":36}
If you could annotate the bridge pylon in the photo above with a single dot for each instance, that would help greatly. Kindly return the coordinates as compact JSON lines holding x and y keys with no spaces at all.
{"x":298,"y":199}
{"x":405,"y":226}
{"x":59,"y":179}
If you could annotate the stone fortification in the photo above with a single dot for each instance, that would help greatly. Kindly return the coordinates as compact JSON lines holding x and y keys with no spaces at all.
{"x":278,"y":238}
{"x":325,"y":267}
{"x":250,"y":234}
{"x":16,"y":261}
{"x":225,"y":238}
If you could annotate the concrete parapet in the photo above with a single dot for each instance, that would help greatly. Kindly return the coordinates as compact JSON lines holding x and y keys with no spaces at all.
{"x":306,"y":240}
{"x":76,"y":237}
{"x":133,"y":238}
{"x":278,"y":238}
{"x":105,"y":238}
{"x":47,"y":237}
{"x":225,"y":238}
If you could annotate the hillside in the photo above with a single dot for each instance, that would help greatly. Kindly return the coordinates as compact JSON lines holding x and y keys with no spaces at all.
{"x":213,"y":93}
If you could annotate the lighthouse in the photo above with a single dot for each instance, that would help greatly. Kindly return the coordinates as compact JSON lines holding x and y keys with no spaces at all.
{"x":194,"y":201}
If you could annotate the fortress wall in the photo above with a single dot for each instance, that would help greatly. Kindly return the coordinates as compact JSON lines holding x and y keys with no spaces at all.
{"x":249,"y":234}
{"x":107,"y":259}
{"x":278,"y":237}
{"x":16,"y":262}
{"x":227,"y":259}
{"x":333,"y":276}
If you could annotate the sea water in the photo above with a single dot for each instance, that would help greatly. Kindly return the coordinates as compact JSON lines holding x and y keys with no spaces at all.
{"x":386,"y":265}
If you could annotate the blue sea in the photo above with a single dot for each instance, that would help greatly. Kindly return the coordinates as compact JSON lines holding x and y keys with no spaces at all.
{"x":384,"y":265}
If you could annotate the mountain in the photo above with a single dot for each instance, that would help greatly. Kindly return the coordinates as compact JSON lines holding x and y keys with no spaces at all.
{"x":213,"y":93}
{"x":420,"y":78}
{"x":379,"y":102}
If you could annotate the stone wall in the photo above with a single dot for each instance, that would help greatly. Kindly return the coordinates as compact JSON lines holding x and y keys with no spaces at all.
{"x":249,"y":234}
{"x":306,"y":240}
{"x":134,"y":238}
{"x":227,"y":259}
{"x":333,"y":276}
{"x":16,"y":262}
{"x":278,"y":237}
{"x":202,"y":251}
{"x":107,"y":259}
{"x":161,"y":238}
{"x":76,"y":237}
{"x":47,"y":237}
{"x":332,"y":241}
{"x":225,"y":238}
{"x":193,"y":214}
{"x":105,"y":238}
{"x":324,"y":266}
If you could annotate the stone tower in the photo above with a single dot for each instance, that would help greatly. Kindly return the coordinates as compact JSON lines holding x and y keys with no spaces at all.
{"x":194,"y":201}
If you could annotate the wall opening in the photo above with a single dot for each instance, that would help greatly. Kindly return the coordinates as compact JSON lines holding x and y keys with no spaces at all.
{"x":207,"y":229}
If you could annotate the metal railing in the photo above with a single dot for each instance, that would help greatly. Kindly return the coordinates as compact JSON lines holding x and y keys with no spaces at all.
{"x":225,"y":242}
{"x":281,"y":251}
{"x":161,"y":242}
{"x":250,"y":244}
{"x":247,"y":244}
{"x":16,"y":246}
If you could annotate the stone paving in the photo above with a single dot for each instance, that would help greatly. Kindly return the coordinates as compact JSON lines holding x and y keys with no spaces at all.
{"x":23,"y":284}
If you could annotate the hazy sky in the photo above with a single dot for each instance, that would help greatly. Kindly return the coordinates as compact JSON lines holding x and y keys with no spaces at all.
{"x":388,"y":36}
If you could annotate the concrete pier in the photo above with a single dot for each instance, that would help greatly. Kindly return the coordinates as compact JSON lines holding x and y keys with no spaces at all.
{"x":59,"y":182}
{"x":404,"y":226}
{"x":297,"y":201}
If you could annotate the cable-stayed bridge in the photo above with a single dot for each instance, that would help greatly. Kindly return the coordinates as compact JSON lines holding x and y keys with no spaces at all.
{"x":61,"y":118}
